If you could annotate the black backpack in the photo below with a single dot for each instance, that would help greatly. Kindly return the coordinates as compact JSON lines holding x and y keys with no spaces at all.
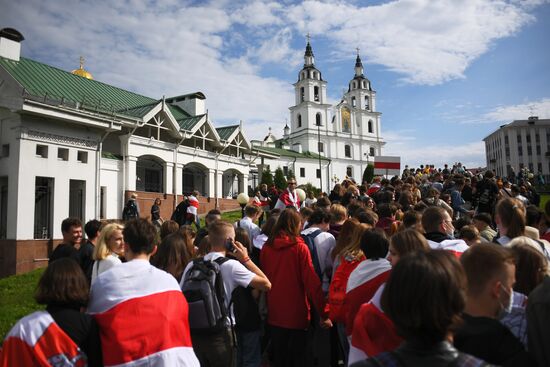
{"x":130,"y":210}
{"x":205,"y":293}
{"x":179,"y":215}
{"x":309,"y":240}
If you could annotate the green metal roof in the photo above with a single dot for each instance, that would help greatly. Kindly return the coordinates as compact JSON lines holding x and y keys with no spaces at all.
{"x":225,"y":131}
{"x":41,"y":80}
{"x":189,"y":123}
{"x":290,"y":153}
{"x":138,"y":111}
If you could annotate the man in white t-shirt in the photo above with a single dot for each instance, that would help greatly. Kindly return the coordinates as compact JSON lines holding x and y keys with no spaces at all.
{"x":251,"y":214}
{"x":217,"y":349}
{"x":318,"y":226}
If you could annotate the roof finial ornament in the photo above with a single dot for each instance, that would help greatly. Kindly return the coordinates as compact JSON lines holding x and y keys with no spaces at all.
{"x":80,"y":71}
{"x":308,"y":37}
{"x":82,"y":62}
{"x":357,"y":48}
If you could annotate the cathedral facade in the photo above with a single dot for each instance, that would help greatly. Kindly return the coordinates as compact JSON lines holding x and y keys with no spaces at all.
{"x":345,"y":136}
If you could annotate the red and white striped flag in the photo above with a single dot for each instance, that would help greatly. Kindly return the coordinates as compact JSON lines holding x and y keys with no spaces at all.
{"x":373,"y":331}
{"x":36,"y":340}
{"x":363,"y":283}
{"x":143,"y":317}
{"x":457,"y":247}
{"x":193,"y":205}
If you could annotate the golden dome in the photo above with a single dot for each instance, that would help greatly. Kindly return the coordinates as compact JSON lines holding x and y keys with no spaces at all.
{"x":81,"y":72}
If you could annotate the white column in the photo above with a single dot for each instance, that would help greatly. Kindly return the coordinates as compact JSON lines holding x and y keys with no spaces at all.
{"x":243,"y":187}
{"x":131,"y":165}
{"x":211,"y":183}
{"x":179,"y":179}
{"x":168,"y":177}
{"x":219,"y":184}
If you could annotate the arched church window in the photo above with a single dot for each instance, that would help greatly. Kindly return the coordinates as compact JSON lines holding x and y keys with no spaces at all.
{"x":299,"y":120}
{"x":303,"y":76}
{"x":302,"y":94}
{"x":370,"y":126}
{"x":364,"y":85}
{"x":367,"y":105}
{"x":349,"y":172}
{"x":353,"y":102}
{"x":347,"y":151}
{"x":315,"y":75}
{"x":318,"y":119}
{"x":316,"y":93}
{"x":353,"y":85}
{"x":346,"y":120}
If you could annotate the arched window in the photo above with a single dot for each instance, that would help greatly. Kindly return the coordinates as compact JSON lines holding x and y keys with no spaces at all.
{"x":318,"y":119}
{"x":299,"y":120}
{"x":353,"y":102}
{"x":349,"y":172}
{"x":364,"y":84}
{"x":303,"y":76}
{"x":316,"y":93}
{"x":315,"y":75}
{"x":347,"y":151}
{"x":367,"y":105}
{"x":353,"y":85}
{"x":302,"y":94}
{"x":370,"y":126}
{"x":149,"y":174}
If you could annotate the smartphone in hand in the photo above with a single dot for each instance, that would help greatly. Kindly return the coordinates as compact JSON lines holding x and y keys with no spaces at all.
{"x":229,"y":246}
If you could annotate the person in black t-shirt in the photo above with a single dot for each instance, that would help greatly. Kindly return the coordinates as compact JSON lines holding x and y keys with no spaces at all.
{"x":71,"y":229}
{"x":490,"y":271}
{"x":86,"y":250}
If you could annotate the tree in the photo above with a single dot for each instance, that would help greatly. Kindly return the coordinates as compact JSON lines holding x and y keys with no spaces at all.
{"x":309,"y":187}
{"x":267,"y":177}
{"x":280,"y":180}
{"x":290,"y":174}
{"x":368,"y":175}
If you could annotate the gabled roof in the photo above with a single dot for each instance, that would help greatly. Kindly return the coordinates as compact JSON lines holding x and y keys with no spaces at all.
{"x":42,"y":80}
{"x":225,"y":132}
{"x":189,"y":123}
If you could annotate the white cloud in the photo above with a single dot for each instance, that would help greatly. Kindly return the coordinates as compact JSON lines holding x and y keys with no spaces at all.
{"x":428,"y":42}
{"x":258,"y":14}
{"x":522,"y":111}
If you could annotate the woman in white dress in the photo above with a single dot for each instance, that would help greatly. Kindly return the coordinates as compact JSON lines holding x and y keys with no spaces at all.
{"x":108,"y":249}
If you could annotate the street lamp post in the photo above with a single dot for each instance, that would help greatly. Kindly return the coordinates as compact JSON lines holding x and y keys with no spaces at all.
{"x":242,"y":199}
{"x":319,"y":152}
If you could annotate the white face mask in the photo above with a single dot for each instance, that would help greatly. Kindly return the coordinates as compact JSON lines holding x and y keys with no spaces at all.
{"x":506,"y":306}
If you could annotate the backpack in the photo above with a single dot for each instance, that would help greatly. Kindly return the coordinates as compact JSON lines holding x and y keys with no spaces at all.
{"x":205,"y":293}
{"x":179,"y":215}
{"x":130,"y":210}
{"x":337,"y":289}
{"x":309,"y":240}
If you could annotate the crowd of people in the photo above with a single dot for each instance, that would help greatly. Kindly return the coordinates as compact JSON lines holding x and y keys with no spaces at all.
{"x":437,"y":267}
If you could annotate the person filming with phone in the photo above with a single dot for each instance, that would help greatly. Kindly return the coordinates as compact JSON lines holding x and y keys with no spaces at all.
{"x":210,"y":312}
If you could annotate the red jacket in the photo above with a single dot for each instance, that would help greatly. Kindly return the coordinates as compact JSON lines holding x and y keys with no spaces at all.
{"x":288,"y":266}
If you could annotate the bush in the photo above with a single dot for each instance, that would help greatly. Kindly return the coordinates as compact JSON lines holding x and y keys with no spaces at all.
{"x":267,"y":177}
{"x":309,"y":187}
{"x":368,"y":175}
{"x":280,"y":180}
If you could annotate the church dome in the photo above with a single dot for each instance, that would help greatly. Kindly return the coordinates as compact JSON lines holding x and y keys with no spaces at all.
{"x":81,"y":71}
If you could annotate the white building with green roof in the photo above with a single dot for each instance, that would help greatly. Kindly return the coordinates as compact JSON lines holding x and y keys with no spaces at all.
{"x":76,"y":147}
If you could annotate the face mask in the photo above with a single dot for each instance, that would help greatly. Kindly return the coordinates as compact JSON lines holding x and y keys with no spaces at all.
{"x":506,"y":307}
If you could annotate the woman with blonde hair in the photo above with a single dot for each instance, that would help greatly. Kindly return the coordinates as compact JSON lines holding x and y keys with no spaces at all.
{"x":108,"y":249}
{"x":338,"y":214}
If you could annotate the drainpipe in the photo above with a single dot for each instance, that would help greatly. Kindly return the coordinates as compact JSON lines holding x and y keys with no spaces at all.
{"x":175,"y":169}
{"x":97,"y":174}
{"x":124,"y":158}
{"x":216,"y":176}
{"x":328,"y":175}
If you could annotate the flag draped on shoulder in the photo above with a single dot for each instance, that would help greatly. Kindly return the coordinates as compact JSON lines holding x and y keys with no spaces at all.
{"x":363,"y":283}
{"x":36,"y":340}
{"x":457,"y":247}
{"x":193,"y":205}
{"x":143,"y":317}
{"x":373,"y":331}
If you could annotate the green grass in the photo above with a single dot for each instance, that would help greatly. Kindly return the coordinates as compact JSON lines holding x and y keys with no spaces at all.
{"x":17,"y":299}
{"x":544,"y":198}
{"x":17,"y":291}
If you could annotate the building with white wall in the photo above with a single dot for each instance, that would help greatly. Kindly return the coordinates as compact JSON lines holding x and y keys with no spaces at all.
{"x":520,"y":144}
{"x":73,"y":146}
{"x":345,"y":135}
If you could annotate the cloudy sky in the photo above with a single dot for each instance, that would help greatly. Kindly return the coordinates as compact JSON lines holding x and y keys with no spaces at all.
{"x":447,"y":73}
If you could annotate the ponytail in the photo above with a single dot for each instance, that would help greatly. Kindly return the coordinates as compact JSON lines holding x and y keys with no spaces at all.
{"x":511,"y":212}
